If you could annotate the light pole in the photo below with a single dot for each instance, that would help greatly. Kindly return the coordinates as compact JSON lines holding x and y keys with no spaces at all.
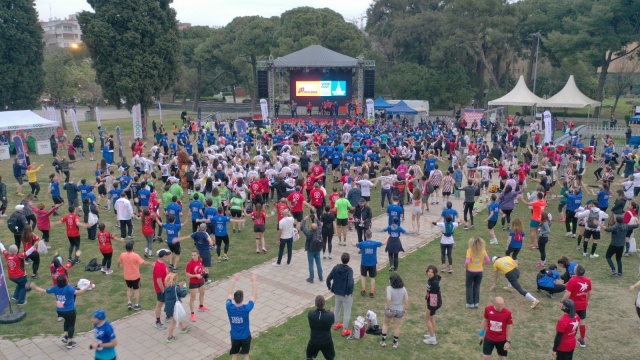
{"x":535,"y":69}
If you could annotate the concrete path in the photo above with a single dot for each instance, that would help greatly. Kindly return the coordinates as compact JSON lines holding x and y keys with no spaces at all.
{"x":209,"y":338}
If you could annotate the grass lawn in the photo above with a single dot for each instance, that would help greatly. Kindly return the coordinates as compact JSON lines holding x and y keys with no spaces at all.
{"x":612,"y":324}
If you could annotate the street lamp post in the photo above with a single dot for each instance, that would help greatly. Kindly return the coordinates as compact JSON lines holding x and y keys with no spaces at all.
{"x":535,"y":69}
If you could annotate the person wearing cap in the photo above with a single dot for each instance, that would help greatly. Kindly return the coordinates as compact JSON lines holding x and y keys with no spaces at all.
{"x":105,"y":337}
{"x":508,"y":267}
{"x":564,"y":342}
{"x":32,"y":172}
{"x":160,"y":272}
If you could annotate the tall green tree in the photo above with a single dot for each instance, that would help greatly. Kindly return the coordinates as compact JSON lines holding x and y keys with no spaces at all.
{"x":135,"y":49}
{"x":21,"y":55}
{"x":193,"y":61}
{"x":59,"y":79}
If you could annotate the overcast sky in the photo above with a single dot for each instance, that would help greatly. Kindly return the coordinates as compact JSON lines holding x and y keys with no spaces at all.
{"x":215,"y":12}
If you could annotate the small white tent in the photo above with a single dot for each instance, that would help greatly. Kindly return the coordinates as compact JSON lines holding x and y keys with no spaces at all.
{"x":23,"y":120}
{"x":569,"y":97}
{"x":519,"y":96}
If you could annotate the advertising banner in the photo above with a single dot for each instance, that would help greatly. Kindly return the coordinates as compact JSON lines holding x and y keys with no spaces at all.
{"x":324,"y":88}
{"x":264,"y":108}
{"x":548,"y":126}
{"x":370,"y":111}
{"x":74,"y":121}
{"x":119,"y":136}
{"x":52,"y":113}
{"x":241,"y":128}
{"x":4,"y":290}
{"x":20,"y":155}
{"x":137,"y":121}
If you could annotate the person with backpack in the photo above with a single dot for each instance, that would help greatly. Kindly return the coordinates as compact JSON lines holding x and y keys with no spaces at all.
{"x":594,"y":217}
{"x":446,"y":241}
{"x":130,"y":261}
{"x":313,"y":244}
{"x":549,"y":280}
{"x":396,"y":308}
{"x":618,"y":232}
{"x":434,"y":302}
{"x":320,"y":321}
{"x":340,"y":283}
{"x":16,"y":223}
{"x":516,"y":236}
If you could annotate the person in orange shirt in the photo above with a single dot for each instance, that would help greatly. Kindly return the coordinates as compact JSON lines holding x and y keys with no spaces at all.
{"x":130,"y":261}
{"x":536,"y":217}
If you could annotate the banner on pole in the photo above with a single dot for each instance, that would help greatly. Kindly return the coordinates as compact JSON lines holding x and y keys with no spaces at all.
{"x":370,"y":111}
{"x":264,"y":108}
{"x":4,"y":290}
{"x":199,"y":117}
{"x":74,"y":121}
{"x":137,"y":122}
{"x":548,"y":126}
{"x":98,"y":120}
{"x":160,"y":109}
{"x":52,"y":113}
{"x":241,"y":128}
{"x":119,"y":136}
{"x":20,"y":154}
{"x":45,"y":113}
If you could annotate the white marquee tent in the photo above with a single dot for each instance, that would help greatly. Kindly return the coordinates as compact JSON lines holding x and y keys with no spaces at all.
{"x":569,"y":97}
{"x":519,"y":96}
{"x":23,"y":120}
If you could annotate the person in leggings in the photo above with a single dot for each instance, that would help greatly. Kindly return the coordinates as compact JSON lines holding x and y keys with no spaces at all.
{"x":394,"y":245}
{"x":618,"y":235}
{"x":509,"y":268}
{"x":543,"y":239}
{"x":446,"y":241}
{"x":328,"y":229}
{"x":469,"y":200}
{"x":574,"y":201}
{"x":66,"y":309}
{"x":320,"y":322}
{"x":507,"y":202}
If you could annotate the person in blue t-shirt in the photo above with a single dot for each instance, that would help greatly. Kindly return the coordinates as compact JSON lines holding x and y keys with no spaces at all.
{"x":549,"y":280}
{"x":106,"y":341}
{"x":238,"y":313}
{"x":84,"y":189}
{"x":395,"y":211}
{"x":144,"y":194}
{"x":174,"y":209}
{"x":603,"y":197}
{"x":114,"y":195}
{"x":449,"y":210}
{"x":369,"y":262}
{"x":492,"y":219}
{"x":195,"y":208}
{"x":65,"y":305}
{"x":172,"y":229}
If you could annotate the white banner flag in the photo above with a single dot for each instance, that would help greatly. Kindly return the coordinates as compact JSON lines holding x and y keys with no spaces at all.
{"x":264,"y":108}
{"x":370,"y":110}
{"x":137,"y":121}
{"x":74,"y":120}
{"x":53,"y":114}
{"x":548,"y":126}
{"x":160,"y":110}
{"x":45,"y":113}
{"x":98,"y":120}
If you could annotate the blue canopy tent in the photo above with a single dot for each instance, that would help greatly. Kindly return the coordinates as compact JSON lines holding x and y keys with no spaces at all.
{"x":634,"y":119}
{"x":379,"y":103}
{"x":402,"y":108}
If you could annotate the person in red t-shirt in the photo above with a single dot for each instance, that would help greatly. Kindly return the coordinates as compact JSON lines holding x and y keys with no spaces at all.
{"x":317,"y":170}
{"x":281,"y":210}
{"x":265,"y":187}
{"x":73,"y":224}
{"x":566,"y":329}
{"x":30,"y":240}
{"x":579,"y":290}
{"x":496,"y":329}
{"x":256,"y":190}
{"x":308,"y":184}
{"x":296,"y":202}
{"x":106,"y":249}
{"x":317,"y":199}
{"x":160,"y":272}
{"x":148,"y":220}
{"x":195,"y":273}
{"x":259,"y":220}
{"x":332,"y":200}
{"x":15,"y":267}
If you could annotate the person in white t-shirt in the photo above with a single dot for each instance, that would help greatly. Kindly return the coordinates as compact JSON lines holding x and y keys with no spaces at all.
{"x":365,"y":187}
{"x":286,"y":228}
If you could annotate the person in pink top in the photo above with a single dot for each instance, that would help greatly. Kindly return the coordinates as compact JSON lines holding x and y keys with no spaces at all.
{"x":131,"y":262}
{"x":402,"y":169}
{"x":43,"y":222}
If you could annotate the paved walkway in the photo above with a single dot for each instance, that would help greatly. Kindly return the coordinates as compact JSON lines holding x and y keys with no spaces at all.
{"x":209,"y":338}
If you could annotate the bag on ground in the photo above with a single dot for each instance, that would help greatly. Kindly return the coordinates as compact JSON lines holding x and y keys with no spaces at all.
{"x":92,"y":265}
{"x":358,"y":328}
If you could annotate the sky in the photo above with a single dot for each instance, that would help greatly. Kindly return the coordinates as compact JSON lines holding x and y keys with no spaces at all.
{"x":215,"y":12}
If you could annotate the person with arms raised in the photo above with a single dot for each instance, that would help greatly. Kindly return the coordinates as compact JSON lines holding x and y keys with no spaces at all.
{"x":238,"y":313}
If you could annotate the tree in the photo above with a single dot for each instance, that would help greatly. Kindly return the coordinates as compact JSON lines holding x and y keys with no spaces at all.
{"x":21,"y":55}
{"x":412,"y":81}
{"x":620,"y":81}
{"x":59,"y":80}
{"x":193,"y":60}
{"x":135,"y":48}
{"x":84,"y":76}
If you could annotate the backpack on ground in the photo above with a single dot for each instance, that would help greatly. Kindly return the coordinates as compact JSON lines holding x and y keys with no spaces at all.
{"x":359,"y":328}
{"x":593,"y":220}
{"x":92,"y":265}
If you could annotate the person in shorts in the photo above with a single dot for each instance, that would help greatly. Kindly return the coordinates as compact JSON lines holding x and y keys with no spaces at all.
{"x":369,"y":262}
{"x":131,"y":262}
{"x":398,"y":300}
{"x":196,"y":273}
{"x":238,"y":313}
{"x":495,"y":329}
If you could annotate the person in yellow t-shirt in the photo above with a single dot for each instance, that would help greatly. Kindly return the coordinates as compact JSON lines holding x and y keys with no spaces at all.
{"x":475,"y":259}
{"x":507,"y":266}
{"x":33,"y":179}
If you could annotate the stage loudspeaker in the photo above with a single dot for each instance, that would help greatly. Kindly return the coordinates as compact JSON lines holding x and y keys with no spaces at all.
{"x":263,"y":84}
{"x":369,"y":83}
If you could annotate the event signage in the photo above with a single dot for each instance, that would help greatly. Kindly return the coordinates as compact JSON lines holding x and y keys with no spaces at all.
{"x":264,"y":108}
{"x":20,"y":154}
{"x":137,"y":122}
{"x":548,"y":127}
{"x":325,"y":88}
{"x":241,"y":128}
{"x":52,"y":112}
{"x":74,"y":121}
{"x":370,"y":110}
{"x":119,"y":136}
{"x":4,"y":290}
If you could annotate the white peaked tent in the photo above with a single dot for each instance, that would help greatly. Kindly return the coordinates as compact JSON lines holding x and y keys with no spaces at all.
{"x":519,"y":96}
{"x":569,"y":97}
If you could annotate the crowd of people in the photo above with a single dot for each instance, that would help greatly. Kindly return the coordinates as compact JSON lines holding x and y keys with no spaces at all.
{"x":210,"y":176}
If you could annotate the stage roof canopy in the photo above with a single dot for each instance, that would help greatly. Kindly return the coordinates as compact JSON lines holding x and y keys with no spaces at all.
{"x":380,"y":103}
{"x":315,"y":56}
{"x":569,"y":97}
{"x":402,"y":108}
{"x":23,"y":119}
{"x":519,"y":96}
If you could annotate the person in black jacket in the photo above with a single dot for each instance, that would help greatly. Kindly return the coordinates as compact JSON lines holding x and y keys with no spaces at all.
{"x":434,"y":301}
{"x":362,"y":218}
{"x":282,"y":188}
{"x":19,"y":220}
{"x":320,"y":321}
{"x":340,"y":282}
